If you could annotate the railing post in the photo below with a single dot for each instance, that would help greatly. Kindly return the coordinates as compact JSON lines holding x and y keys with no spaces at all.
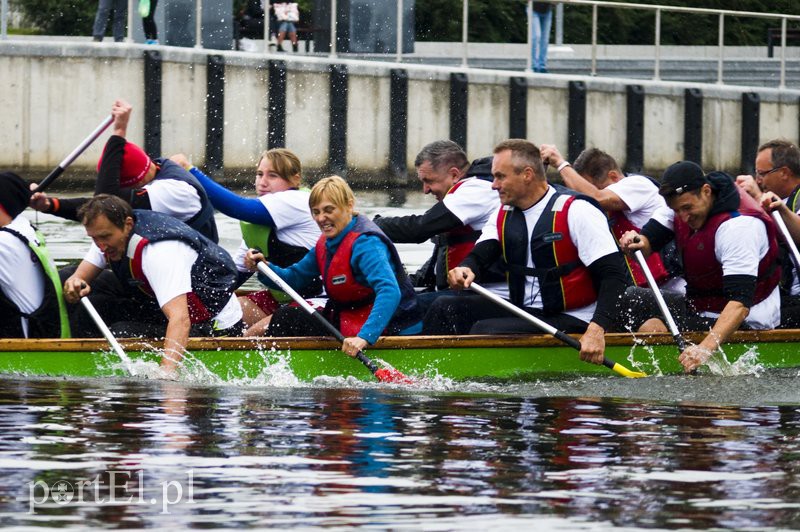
{"x":529,"y":13}
{"x":333,"y":29}
{"x":783,"y":53}
{"x":657,"y":72}
{"x":129,"y":38}
{"x":464,"y":30}
{"x":4,"y":21}
{"x":559,"y":24}
{"x":594,"y":39}
{"x":266,"y":26}
{"x":721,"y":44}
{"x":198,"y":25}
{"x":399,"y":31}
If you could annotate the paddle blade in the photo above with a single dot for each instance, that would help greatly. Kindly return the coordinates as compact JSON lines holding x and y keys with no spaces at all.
{"x":392,"y":376}
{"x":622,"y":370}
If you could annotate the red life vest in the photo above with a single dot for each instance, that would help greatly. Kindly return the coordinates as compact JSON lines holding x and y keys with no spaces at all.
{"x":460,"y":241}
{"x":564,"y":281}
{"x":619,"y":226}
{"x":703,"y":272}
{"x":353,"y":301}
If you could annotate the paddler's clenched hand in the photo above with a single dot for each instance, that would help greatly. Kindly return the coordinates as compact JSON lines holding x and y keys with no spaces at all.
{"x":460,"y":278}
{"x":353,"y":345}
{"x":593,"y":344}
{"x":75,"y":288}
{"x":252,"y":258}
{"x":693,"y":357}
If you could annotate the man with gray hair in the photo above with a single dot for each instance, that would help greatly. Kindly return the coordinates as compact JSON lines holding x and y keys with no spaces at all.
{"x":465,"y":200}
{"x":777,"y":168}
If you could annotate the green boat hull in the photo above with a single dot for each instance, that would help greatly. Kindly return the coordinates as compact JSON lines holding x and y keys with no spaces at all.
{"x":517,"y":358}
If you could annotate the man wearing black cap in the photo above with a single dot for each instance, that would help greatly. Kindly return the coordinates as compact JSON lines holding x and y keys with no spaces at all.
{"x":31,"y":301}
{"x":730,"y":257}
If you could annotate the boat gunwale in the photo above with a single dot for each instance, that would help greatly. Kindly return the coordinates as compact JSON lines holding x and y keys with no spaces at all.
{"x":384,"y":343}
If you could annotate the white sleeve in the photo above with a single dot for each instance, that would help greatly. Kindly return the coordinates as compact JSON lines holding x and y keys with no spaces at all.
{"x":635,"y":191}
{"x":167,"y":266}
{"x":96,"y":257}
{"x":739,"y":245}
{"x":489,"y":231}
{"x":175,"y":198}
{"x":588,"y":229}
{"x":666,"y":217}
{"x":238,"y":258}
{"x":471,"y":200}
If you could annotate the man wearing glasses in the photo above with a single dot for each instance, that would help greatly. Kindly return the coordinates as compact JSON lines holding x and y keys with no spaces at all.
{"x":730,"y":257}
{"x":777,"y":166}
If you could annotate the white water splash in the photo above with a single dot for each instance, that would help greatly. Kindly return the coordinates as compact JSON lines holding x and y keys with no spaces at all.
{"x":746,"y":364}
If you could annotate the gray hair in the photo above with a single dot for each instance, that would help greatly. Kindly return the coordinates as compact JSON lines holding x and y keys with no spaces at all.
{"x":442,"y":153}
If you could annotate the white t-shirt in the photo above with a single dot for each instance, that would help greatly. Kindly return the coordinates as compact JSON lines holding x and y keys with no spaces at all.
{"x":167,"y":266}
{"x":21,"y":279}
{"x":588,"y":229}
{"x":175,"y":198}
{"x":640,"y":195}
{"x":740,"y":256}
{"x":293,"y":222}
{"x":473,"y":202}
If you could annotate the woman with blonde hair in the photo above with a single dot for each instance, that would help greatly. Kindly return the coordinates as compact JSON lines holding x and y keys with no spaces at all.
{"x":369,"y":292}
{"x":277,"y":223}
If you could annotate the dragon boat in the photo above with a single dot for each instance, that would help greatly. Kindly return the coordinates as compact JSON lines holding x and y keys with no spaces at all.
{"x":461,"y":358}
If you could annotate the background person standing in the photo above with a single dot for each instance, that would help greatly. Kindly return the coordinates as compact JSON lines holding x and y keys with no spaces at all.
{"x":104,"y":8}
{"x":542,"y":17}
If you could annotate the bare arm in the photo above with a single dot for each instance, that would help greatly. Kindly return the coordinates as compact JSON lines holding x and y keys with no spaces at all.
{"x":607,"y":199}
{"x":728,"y":322}
{"x":178,"y":324}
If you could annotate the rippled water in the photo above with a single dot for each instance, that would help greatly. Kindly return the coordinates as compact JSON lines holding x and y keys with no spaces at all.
{"x":593,"y":453}
{"x":380,"y":457}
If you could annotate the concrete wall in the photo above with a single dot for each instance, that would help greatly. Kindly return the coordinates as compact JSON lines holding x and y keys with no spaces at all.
{"x":55,"y":93}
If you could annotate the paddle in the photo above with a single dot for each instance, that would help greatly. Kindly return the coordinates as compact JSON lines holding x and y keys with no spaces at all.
{"x":104,"y":329}
{"x":673,"y":327}
{"x":549,"y":329}
{"x":382,"y":374}
{"x":75,"y":153}
{"x":788,"y":237}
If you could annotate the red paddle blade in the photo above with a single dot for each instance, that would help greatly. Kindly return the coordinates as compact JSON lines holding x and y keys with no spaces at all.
{"x":392,"y":376}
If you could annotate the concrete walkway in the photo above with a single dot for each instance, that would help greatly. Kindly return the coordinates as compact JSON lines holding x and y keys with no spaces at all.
{"x":748,"y":66}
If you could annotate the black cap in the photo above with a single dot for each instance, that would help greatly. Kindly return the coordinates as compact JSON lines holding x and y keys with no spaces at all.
{"x":681,"y":177}
{"x":14,"y":193}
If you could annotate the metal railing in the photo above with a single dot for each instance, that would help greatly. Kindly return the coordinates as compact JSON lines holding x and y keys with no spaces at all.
{"x":594,"y":4}
{"x":720,"y":13}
